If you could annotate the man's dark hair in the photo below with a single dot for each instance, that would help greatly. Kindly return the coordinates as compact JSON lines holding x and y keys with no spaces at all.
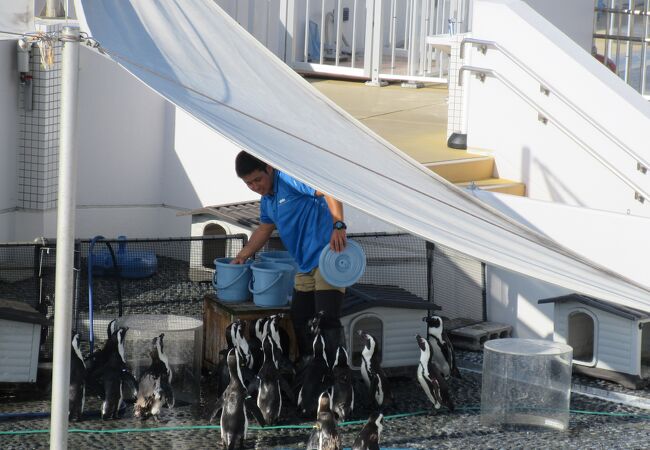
{"x":246,"y":164}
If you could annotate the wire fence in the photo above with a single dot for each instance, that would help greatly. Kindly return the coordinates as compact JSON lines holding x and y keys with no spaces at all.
{"x":172,"y":276}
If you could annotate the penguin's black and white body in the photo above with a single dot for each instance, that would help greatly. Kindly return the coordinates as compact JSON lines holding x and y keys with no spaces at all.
{"x":442,"y":350}
{"x":235,"y":403}
{"x":431,"y":378}
{"x":77,"y":381}
{"x":97,"y":360}
{"x":154,"y":387}
{"x":271,"y":385}
{"x":368,"y":438}
{"x":325,"y":435}
{"x":342,"y":392}
{"x":314,"y":379}
{"x":117,"y":379}
{"x":280,"y":340}
{"x":234,"y":340}
{"x":255,"y":343}
{"x":372,"y":373}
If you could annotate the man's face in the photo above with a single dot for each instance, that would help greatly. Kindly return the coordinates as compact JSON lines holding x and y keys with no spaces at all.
{"x":260,"y":181}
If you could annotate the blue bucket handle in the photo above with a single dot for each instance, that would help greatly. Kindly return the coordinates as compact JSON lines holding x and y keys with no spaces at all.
{"x":237,"y":278}
{"x":261,"y":291}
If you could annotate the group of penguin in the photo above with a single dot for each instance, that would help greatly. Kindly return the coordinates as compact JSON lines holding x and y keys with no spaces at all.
{"x":106,"y":374}
{"x":255,"y":373}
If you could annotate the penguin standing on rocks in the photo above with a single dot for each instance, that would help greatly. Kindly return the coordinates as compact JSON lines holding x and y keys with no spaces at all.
{"x":77,"y":381}
{"x":431,"y":378}
{"x":441,"y":347}
{"x":324,"y":436}
{"x":372,"y":373}
{"x":368,"y":438}
{"x":271,"y":385}
{"x":314,"y":380}
{"x":235,"y":403}
{"x":118,"y":381}
{"x":342,"y":392}
{"x":154,"y":387}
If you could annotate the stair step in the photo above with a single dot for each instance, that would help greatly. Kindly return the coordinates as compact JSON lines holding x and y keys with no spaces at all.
{"x":500,"y":185}
{"x":464,"y":170}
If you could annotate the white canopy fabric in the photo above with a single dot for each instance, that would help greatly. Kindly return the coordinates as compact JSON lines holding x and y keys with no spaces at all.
{"x":16,"y":17}
{"x":197,"y":57}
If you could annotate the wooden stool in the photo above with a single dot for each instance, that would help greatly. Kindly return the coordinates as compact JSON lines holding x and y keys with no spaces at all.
{"x":217,"y":315}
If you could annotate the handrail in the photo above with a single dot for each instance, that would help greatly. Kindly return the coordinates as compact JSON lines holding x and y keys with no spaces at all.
{"x":544,"y":117}
{"x":642,"y":164}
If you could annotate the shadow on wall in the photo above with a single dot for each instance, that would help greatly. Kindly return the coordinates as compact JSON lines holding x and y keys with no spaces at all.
{"x":558,"y":191}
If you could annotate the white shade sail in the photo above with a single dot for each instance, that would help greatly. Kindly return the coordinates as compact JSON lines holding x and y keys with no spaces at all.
{"x":197,"y":57}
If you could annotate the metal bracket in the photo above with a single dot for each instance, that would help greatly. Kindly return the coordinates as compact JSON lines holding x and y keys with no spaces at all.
{"x":641,"y":168}
{"x":542,"y":118}
{"x":481,"y":76}
{"x":544,"y":90}
{"x":482,"y":48}
{"x":639,"y":197}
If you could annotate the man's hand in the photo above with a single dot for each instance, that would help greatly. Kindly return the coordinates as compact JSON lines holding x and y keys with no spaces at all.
{"x":338,"y":240}
{"x":238,"y":260}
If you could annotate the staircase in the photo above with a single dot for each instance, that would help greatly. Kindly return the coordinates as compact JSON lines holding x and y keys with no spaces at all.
{"x":477,"y":170}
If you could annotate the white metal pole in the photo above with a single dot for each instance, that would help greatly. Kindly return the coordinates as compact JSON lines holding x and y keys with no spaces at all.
{"x":65,"y":233}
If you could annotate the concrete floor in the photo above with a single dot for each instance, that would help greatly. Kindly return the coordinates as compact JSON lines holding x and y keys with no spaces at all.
{"x":414,"y":120}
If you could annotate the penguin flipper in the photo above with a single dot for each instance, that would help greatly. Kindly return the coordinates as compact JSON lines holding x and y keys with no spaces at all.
{"x":251,"y":405}
{"x":169,"y":394}
{"x":130,"y":385}
{"x":217,"y":407}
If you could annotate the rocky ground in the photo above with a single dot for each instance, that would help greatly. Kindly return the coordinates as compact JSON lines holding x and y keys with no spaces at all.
{"x":593,"y":424}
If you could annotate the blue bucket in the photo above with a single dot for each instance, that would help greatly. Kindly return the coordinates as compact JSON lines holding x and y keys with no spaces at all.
{"x":269,"y":283}
{"x":282,"y":257}
{"x":231,"y":280}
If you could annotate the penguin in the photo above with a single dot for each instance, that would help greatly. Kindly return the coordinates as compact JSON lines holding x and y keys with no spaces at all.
{"x":315,"y":379}
{"x":235,"y":403}
{"x":441,"y":347}
{"x":118,"y":381}
{"x":430,"y":377}
{"x":271,"y":385}
{"x":234,"y":340}
{"x":368,"y":438}
{"x":154,"y":387}
{"x":342,"y":392}
{"x":280,"y":340}
{"x":97,"y":360}
{"x":324,"y":436}
{"x":372,"y":373}
{"x":255,"y":344}
{"x":77,"y":381}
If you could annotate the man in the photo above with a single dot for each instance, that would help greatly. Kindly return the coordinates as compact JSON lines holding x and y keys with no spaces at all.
{"x":307,"y":221}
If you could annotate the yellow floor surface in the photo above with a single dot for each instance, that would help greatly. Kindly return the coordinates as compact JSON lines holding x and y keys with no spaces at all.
{"x":414,"y":120}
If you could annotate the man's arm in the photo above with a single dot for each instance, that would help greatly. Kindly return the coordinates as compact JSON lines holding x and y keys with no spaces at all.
{"x":256,"y":242}
{"x":338,"y":238}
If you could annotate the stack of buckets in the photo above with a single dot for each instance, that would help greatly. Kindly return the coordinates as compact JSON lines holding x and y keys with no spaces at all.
{"x":270,"y":280}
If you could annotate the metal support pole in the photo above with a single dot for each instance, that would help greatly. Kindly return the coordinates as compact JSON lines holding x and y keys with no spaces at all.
{"x":66,"y":203}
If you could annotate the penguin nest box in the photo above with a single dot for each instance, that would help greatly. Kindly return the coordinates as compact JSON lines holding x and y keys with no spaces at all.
{"x":183,"y":346}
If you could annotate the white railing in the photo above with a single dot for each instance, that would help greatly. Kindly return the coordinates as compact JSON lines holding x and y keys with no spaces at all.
{"x":547,"y":118}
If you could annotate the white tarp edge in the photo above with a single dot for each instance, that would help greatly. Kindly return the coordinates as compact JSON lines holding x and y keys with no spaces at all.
{"x":16,"y":17}
{"x":197,"y":57}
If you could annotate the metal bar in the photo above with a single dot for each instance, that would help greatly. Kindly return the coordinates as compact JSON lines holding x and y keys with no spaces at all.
{"x":322,"y":31}
{"x":339,"y":21}
{"x":484,"y":45}
{"x":354,"y":33}
{"x":628,"y":49}
{"x":644,"y":49}
{"x":393,"y":32}
{"x":65,"y":240}
{"x":407,"y":14}
{"x":306,"y":51}
{"x":618,"y":45}
{"x":616,"y":37}
{"x":483,"y":73}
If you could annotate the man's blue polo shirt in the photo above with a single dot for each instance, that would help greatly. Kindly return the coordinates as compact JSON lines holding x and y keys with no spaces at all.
{"x":302,"y":219}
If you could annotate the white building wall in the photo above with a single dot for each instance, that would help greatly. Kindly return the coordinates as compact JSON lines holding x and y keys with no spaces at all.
{"x":9,"y":84}
{"x":512,"y":299}
{"x":575,"y":18}
{"x":551,"y":164}
{"x":596,"y":235}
